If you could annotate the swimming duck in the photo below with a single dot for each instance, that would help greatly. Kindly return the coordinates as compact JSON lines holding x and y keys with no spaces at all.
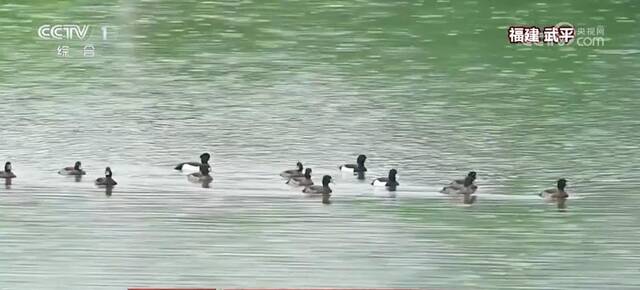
{"x":556,"y":194}
{"x":293,"y":172}
{"x":194,"y":166}
{"x":458,"y":184}
{"x":74,"y":170}
{"x":302,"y":180}
{"x":467,"y":187}
{"x":471,"y":174}
{"x":355,"y":168}
{"x":7,"y":173}
{"x":320,"y":189}
{"x":107,"y":180}
{"x":202,"y":175}
{"x":390,"y":182}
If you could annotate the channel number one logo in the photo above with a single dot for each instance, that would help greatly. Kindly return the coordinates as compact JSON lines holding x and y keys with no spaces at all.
{"x":68,"y":31}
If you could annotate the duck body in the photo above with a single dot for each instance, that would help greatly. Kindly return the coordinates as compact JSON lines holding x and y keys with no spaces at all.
{"x":350,"y":168}
{"x":302,"y":181}
{"x":72,"y":170}
{"x":4,"y":174}
{"x":317,"y":189}
{"x":381,"y":181}
{"x":188,"y":166}
{"x":553,"y":193}
{"x":193,"y":167}
{"x":107,"y":180}
{"x":7,"y":173}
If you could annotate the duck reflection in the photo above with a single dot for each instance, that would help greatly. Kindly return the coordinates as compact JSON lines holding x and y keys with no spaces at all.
{"x":7,"y":183}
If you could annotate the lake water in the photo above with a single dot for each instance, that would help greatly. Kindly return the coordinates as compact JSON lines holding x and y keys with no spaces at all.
{"x":432,"y":89}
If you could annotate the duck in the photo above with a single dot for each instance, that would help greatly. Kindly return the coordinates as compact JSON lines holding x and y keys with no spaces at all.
{"x":201,"y":176}
{"x":73,"y":170}
{"x":7,"y":173}
{"x":390,"y":182}
{"x":107,"y":180}
{"x":467,"y":187}
{"x":458,"y":184}
{"x":355,"y":168}
{"x":194,"y":166}
{"x":293,"y":172}
{"x":460,"y":181}
{"x":304,"y":180}
{"x":556,"y":194}
{"x":323,"y":189}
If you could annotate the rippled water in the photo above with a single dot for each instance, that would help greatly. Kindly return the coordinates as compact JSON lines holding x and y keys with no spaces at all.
{"x":432,"y":89}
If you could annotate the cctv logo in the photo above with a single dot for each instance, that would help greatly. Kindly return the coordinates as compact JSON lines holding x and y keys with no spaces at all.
{"x":66,"y":31}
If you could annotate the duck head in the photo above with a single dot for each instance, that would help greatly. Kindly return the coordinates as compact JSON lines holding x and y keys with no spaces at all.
{"x":204,"y":158}
{"x":299,"y":165}
{"x":392,"y":183}
{"x":107,"y":172}
{"x":77,"y":165}
{"x":7,"y":167}
{"x":392,"y":174}
{"x":326,"y":180}
{"x":307,"y":173}
{"x":472,"y":174}
{"x":360,"y":161}
{"x":562,"y":183}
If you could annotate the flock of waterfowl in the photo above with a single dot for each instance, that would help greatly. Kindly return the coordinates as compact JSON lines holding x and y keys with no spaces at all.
{"x":300,"y":176}
{"x":464,"y":187}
